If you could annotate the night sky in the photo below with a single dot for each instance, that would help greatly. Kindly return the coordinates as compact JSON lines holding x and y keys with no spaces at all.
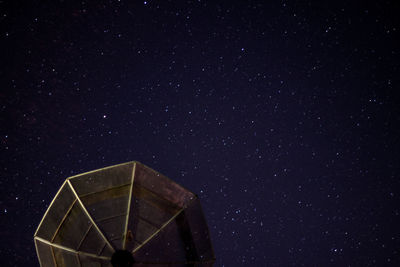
{"x":282,"y":116}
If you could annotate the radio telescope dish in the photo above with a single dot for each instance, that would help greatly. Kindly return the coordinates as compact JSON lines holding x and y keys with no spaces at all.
{"x":127,"y":207}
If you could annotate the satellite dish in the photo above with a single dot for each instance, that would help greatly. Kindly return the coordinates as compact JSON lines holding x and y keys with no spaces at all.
{"x":127,"y":214}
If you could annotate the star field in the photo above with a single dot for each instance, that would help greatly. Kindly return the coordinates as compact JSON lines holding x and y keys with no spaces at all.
{"x":282,"y":116}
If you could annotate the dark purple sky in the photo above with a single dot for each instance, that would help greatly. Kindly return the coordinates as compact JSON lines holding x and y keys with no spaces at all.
{"x":282,"y":116}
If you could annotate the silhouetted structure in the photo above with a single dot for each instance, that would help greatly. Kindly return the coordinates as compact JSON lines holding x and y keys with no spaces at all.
{"x":128,"y":209}
{"x":122,"y":258}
